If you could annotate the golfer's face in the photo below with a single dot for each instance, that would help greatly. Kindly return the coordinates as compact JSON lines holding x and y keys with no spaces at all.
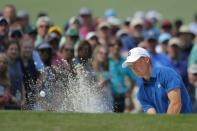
{"x":139,"y":67}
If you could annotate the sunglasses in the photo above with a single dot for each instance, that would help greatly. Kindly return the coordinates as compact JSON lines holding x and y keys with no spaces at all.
{"x":112,"y":45}
{"x":102,"y":53}
{"x":44,"y":50}
{"x":44,"y":26}
{"x":69,"y":50}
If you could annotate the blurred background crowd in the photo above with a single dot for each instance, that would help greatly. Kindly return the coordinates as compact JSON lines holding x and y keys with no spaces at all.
{"x":99,"y":44}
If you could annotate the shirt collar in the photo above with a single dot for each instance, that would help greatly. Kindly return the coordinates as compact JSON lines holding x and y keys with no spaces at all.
{"x":152,"y":76}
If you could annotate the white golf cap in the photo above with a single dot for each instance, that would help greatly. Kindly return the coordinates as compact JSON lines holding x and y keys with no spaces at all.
{"x":134,"y":54}
{"x":91,"y":35}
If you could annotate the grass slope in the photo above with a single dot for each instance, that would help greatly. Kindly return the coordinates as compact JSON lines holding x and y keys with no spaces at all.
{"x":46,"y":121}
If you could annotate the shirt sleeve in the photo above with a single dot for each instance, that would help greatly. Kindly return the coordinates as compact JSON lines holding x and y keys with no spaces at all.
{"x":172,"y":80}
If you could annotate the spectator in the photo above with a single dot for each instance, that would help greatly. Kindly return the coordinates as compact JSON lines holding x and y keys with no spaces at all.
{"x":4,"y":82}
{"x":9,"y":12}
{"x":174,"y":53}
{"x":163,"y":43}
{"x":101,"y":73}
{"x":24,"y":21}
{"x":30,"y":74}
{"x":103,"y":31}
{"x":192,"y":73}
{"x":43,"y":24}
{"x":114,"y":24}
{"x":166,"y":26}
{"x":186,"y":37}
{"x":86,"y":22}
{"x":67,"y":52}
{"x":15,"y":34}
{"x":4,"y":28}
{"x":137,"y":30}
{"x":84,"y":55}
{"x":118,"y":76}
{"x":72,"y":37}
{"x":193,"y":25}
{"x":92,"y":38}
{"x":15,"y":76}
{"x":177,"y":24}
{"x":45,"y":53}
{"x":158,"y":59}
{"x":193,"y":55}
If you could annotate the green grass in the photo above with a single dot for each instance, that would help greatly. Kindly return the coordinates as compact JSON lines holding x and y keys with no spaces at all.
{"x":61,"y":10}
{"x":45,"y":121}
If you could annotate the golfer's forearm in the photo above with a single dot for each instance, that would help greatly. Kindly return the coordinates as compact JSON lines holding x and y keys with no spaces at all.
{"x":174,"y":108}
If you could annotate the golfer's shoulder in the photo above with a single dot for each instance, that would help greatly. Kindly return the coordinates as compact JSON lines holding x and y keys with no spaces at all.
{"x":165,"y":71}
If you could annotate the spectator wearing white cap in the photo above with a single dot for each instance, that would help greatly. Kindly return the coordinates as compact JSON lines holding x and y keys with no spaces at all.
{"x":186,"y":37}
{"x":92,"y":38}
{"x":137,"y":29}
{"x":161,"y":89}
{"x":193,"y":25}
{"x":174,"y":53}
{"x":192,"y":73}
{"x":103,"y":32}
{"x":114,"y":23}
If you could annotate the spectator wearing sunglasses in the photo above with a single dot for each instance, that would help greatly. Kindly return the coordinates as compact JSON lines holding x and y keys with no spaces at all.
{"x":45,"y":53}
{"x":118,"y":77}
{"x":43,"y":24}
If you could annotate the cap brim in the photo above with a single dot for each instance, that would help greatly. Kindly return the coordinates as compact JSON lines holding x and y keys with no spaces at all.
{"x":129,"y":61}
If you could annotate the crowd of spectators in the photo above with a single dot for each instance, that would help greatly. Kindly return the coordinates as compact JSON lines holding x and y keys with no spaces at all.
{"x":100,"y":44}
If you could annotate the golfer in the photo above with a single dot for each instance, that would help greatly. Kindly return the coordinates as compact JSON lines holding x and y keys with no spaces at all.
{"x":161,"y":89}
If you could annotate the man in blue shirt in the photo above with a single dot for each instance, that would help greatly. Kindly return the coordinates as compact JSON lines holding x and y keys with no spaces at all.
{"x":161,"y":89}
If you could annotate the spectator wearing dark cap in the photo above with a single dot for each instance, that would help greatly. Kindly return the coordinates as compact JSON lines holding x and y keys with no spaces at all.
{"x":166,"y":26}
{"x":177,"y":24}
{"x":45,"y":52}
{"x":158,"y":59}
{"x":15,"y":34}
{"x":24,"y":21}
{"x":4,"y":28}
{"x":86,"y":22}
{"x":54,"y":39}
{"x":72,"y":37}
{"x":174,"y":53}
{"x":186,"y":37}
